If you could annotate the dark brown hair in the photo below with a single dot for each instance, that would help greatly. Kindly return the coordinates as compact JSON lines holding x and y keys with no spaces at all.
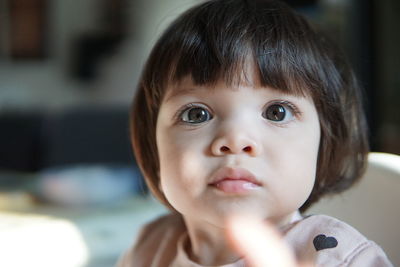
{"x":214,"y":40}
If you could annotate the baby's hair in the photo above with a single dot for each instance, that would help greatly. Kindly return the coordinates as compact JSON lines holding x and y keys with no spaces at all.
{"x":215,"y":41}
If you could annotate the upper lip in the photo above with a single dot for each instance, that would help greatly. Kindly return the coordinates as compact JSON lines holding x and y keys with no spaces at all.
{"x":233,"y":173}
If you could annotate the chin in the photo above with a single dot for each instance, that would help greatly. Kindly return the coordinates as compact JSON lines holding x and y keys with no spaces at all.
{"x":242,"y":210}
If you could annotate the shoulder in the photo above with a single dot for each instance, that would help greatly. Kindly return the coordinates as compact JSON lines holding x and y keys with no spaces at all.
{"x":156,"y":242}
{"x":165,"y":225}
{"x":327,"y":241}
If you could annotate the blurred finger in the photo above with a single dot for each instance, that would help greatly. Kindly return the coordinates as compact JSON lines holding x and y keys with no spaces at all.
{"x":260,"y":243}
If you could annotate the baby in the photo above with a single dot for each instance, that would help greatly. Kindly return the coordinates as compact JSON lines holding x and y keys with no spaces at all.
{"x":243,"y":109}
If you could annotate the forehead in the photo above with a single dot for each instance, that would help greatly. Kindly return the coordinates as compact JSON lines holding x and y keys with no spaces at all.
{"x":187,"y":86}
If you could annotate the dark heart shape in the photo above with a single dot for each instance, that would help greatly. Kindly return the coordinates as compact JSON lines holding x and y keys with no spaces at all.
{"x":323,"y":242}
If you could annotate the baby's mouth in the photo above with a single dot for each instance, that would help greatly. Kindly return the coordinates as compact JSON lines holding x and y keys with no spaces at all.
{"x":235,"y":181}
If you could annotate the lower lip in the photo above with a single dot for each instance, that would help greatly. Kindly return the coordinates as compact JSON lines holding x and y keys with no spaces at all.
{"x":236,"y":186}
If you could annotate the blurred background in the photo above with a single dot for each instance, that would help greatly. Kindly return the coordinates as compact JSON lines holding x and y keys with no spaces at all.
{"x":68,"y":72}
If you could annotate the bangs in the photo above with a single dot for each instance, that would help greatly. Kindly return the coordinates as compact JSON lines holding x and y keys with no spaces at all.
{"x":217,"y":41}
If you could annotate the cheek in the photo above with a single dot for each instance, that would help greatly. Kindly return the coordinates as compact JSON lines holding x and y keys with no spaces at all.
{"x":297,"y":164}
{"x":181,"y":164}
{"x":296,"y":180}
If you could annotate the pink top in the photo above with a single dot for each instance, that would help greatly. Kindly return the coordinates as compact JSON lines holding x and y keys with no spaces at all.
{"x":321,"y":239}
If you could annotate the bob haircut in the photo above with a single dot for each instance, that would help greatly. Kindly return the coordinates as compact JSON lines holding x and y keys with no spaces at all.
{"x":214,"y":40}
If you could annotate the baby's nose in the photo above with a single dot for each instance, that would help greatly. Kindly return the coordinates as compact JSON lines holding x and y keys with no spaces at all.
{"x":235,"y":143}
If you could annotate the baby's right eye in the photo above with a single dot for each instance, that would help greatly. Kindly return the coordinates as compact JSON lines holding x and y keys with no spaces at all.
{"x":195,"y":115}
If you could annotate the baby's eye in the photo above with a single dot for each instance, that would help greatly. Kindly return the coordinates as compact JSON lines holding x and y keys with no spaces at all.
{"x":279,"y":112}
{"x":195,"y":114}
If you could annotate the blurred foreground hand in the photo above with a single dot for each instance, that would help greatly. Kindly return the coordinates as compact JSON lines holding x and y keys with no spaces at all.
{"x":260,"y":243}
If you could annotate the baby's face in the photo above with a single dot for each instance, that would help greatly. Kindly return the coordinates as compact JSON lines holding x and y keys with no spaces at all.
{"x":242,"y":150}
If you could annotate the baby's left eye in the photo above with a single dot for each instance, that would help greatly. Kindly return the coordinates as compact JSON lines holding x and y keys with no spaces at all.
{"x":279,"y":112}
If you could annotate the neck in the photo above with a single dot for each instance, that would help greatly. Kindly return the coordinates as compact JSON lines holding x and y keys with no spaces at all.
{"x":208,"y":244}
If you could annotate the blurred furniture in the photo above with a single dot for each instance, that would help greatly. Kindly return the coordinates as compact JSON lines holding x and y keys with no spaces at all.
{"x":32,"y":141}
{"x":372,"y":206}
{"x":20,"y":141}
{"x":86,"y":135}
{"x":75,"y":156}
